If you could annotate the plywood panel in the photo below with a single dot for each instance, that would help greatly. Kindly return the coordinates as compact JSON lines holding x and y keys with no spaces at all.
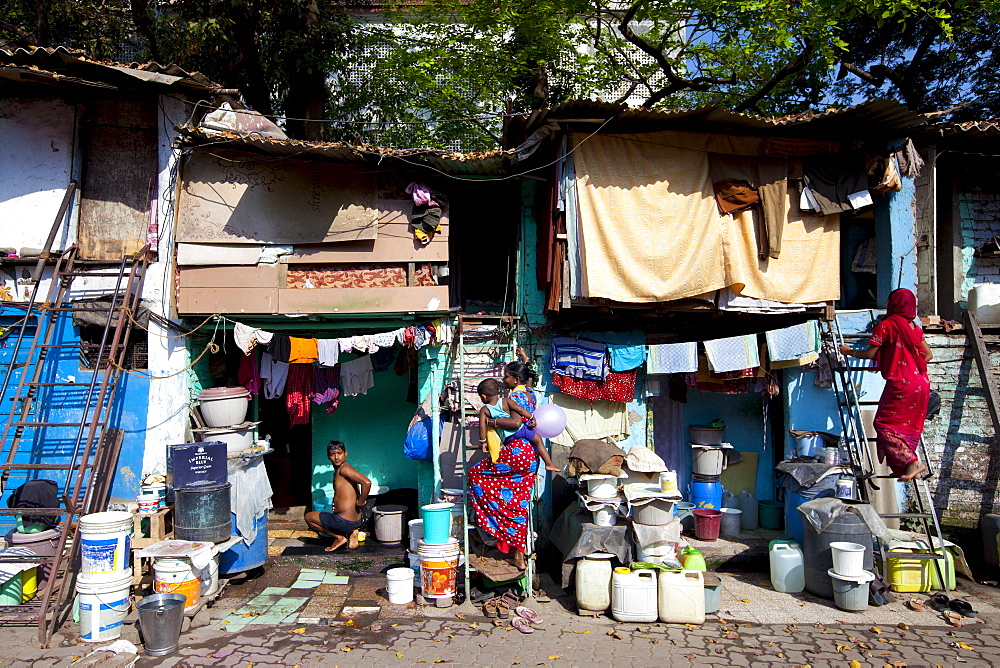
{"x":227,"y":300}
{"x":394,"y":242}
{"x":263,"y":276}
{"x":363,"y":300}
{"x":195,"y":254}
{"x":119,"y":176}
{"x":230,"y":197}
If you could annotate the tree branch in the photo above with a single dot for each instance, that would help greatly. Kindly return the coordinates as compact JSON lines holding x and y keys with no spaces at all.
{"x":794,"y":65}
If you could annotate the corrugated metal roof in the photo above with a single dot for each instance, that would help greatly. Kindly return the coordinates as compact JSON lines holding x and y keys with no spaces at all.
{"x":975,"y":136}
{"x":447,"y":161}
{"x":60,"y":66}
{"x":879,"y":116}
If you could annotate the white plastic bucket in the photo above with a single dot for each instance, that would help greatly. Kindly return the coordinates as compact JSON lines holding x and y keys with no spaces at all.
{"x":414,"y":560}
{"x":147,"y":504}
{"x":605,"y":516}
{"x":848,"y":558}
{"x":103,"y":605}
{"x":210,"y":577}
{"x":602,"y":486}
{"x":438,"y":568}
{"x":105,"y":540}
{"x":668,"y":481}
{"x":399,"y":585}
{"x":850,"y":592}
{"x":416,"y":528}
{"x":177,"y":576}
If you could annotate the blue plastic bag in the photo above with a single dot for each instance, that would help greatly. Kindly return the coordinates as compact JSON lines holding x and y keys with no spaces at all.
{"x":418,"y":441}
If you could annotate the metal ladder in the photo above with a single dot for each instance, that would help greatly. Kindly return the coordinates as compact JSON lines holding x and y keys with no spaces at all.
{"x":987,"y":373}
{"x":481,"y":354}
{"x":84,"y":469}
{"x":850,"y":406}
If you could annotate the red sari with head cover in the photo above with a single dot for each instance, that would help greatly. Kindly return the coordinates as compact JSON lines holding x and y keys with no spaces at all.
{"x":900,"y":359}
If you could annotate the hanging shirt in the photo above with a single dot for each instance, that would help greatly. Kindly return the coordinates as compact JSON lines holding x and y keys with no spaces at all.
{"x":357,"y":376}
{"x":300,"y":393}
{"x":274,"y":374}
{"x":328,"y":351}
{"x":579,"y":359}
{"x":302,"y":351}
{"x":247,"y":337}
{"x":280,"y":348}
{"x":248,"y":374}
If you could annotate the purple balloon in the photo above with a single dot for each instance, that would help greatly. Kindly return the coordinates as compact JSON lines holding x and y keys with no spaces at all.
{"x":550,"y":420}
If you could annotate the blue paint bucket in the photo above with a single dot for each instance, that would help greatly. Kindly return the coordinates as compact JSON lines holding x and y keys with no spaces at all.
{"x":706,"y":492}
{"x":807,"y":446}
{"x":437,"y":522}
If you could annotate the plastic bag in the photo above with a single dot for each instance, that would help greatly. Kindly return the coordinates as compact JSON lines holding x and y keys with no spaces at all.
{"x":417,"y":444}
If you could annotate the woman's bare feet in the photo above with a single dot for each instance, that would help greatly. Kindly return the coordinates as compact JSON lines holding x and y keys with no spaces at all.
{"x":519,"y":561}
{"x":913,"y":471}
{"x":338,"y":542}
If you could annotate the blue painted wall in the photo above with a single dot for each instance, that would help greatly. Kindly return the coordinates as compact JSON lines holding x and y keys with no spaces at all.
{"x":54,"y":445}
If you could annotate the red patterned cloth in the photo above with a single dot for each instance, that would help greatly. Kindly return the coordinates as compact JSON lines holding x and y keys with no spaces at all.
{"x":298,"y":393}
{"x":357,"y":276}
{"x":617,"y":386}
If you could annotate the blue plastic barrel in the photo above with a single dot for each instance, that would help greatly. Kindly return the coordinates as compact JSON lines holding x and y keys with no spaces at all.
{"x":706,"y":493}
{"x":244,"y":556}
{"x":793,"y":520}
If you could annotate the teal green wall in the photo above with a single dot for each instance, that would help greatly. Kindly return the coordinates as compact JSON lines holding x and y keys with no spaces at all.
{"x":373,"y":427}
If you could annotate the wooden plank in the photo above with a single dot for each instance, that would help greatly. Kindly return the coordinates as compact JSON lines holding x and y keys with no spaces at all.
{"x":119,"y":177}
{"x":260,"y":276}
{"x":986,"y":375}
{"x":227,"y":300}
{"x":364,"y":300}
{"x":209,"y":254}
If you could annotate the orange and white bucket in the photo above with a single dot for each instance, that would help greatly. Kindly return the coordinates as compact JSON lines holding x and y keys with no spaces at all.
{"x":177,"y":576}
{"x":438,"y":568}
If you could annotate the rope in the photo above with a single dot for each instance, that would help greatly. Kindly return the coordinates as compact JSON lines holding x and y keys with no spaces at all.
{"x":128,"y":312}
{"x":211,"y":346}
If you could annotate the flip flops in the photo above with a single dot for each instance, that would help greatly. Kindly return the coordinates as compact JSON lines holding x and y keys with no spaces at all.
{"x":940,"y":602}
{"x":528,"y":614}
{"x":962,"y":607}
{"x":522,"y":625}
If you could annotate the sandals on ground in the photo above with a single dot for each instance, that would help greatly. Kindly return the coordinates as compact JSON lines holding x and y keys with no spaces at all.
{"x":503,"y":608}
{"x":962,"y":607}
{"x":490,"y":608}
{"x":522,"y":625}
{"x":528,"y":614}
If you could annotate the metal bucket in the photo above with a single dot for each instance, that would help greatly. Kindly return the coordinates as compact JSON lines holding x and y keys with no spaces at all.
{"x":202,"y":513}
{"x":160,"y":618}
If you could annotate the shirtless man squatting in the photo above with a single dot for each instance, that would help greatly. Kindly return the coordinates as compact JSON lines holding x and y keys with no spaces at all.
{"x":342,"y":524}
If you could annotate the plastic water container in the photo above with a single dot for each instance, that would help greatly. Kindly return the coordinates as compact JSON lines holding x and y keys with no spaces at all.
{"x":918,"y":575}
{"x":633,"y":596}
{"x":984,"y":301}
{"x":748,"y":504}
{"x":593,"y":582}
{"x":177,"y":576}
{"x":681,"y":597}
{"x":850,"y":592}
{"x":223,"y":406}
{"x":399,"y":585}
{"x":692,"y":559}
{"x":706,"y":492}
{"x":848,"y":558}
{"x":817,"y":553}
{"x":105,"y":544}
{"x":438,"y":567}
{"x":729,"y":500}
{"x":732,"y":522}
{"x":437,"y":522}
{"x":605,"y":516}
{"x":389,"y":522}
{"x":787,"y":570}
{"x":708,"y":459}
{"x":104,"y":603}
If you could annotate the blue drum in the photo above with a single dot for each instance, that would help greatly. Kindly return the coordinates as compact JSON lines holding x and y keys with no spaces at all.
{"x":706,"y":492}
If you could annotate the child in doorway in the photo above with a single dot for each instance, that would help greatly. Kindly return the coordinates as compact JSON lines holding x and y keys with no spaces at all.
{"x":343,"y":523}
{"x":499,"y":412}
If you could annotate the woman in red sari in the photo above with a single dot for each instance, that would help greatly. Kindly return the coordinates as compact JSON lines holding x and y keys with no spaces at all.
{"x":901,"y":354}
{"x":501,"y":490}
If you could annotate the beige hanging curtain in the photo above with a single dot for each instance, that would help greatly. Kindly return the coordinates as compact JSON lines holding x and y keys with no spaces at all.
{"x":650,"y":230}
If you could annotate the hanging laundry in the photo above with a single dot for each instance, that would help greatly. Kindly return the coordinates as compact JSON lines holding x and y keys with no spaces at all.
{"x":383,"y":359}
{"x":409,"y":336}
{"x":357,"y":376}
{"x":625,"y":357}
{"x":834,"y":178}
{"x":248,"y":374}
{"x":280,"y":348}
{"x":426,"y":222}
{"x":767,"y":179}
{"x":421,"y":337}
{"x":326,"y":387}
{"x":732,"y":353}
{"x":299,"y":394}
{"x":443,"y":330}
{"x":590,"y":419}
{"x":618,"y":387}
{"x":247,"y":337}
{"x":328,"y":351}
{"x":421,"y":193}
{"x":792,"y":342}
{"x":274,"y":374}
{"x":384,"y":339}
{"x":673,"y":358}
{"x":360,"y":343}
{"x":401,"y":335}
{"x":579,"y":359}
{"x":345,"y":344}
{"x":302,"y":351}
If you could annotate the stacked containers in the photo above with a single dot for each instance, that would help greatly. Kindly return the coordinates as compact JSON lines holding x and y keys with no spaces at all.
{"x":105,"y":577}
{"x":198,"y":477}
{"x":708,"y":459}
{"x":438,"y":552}
{"x":224,"y":410}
